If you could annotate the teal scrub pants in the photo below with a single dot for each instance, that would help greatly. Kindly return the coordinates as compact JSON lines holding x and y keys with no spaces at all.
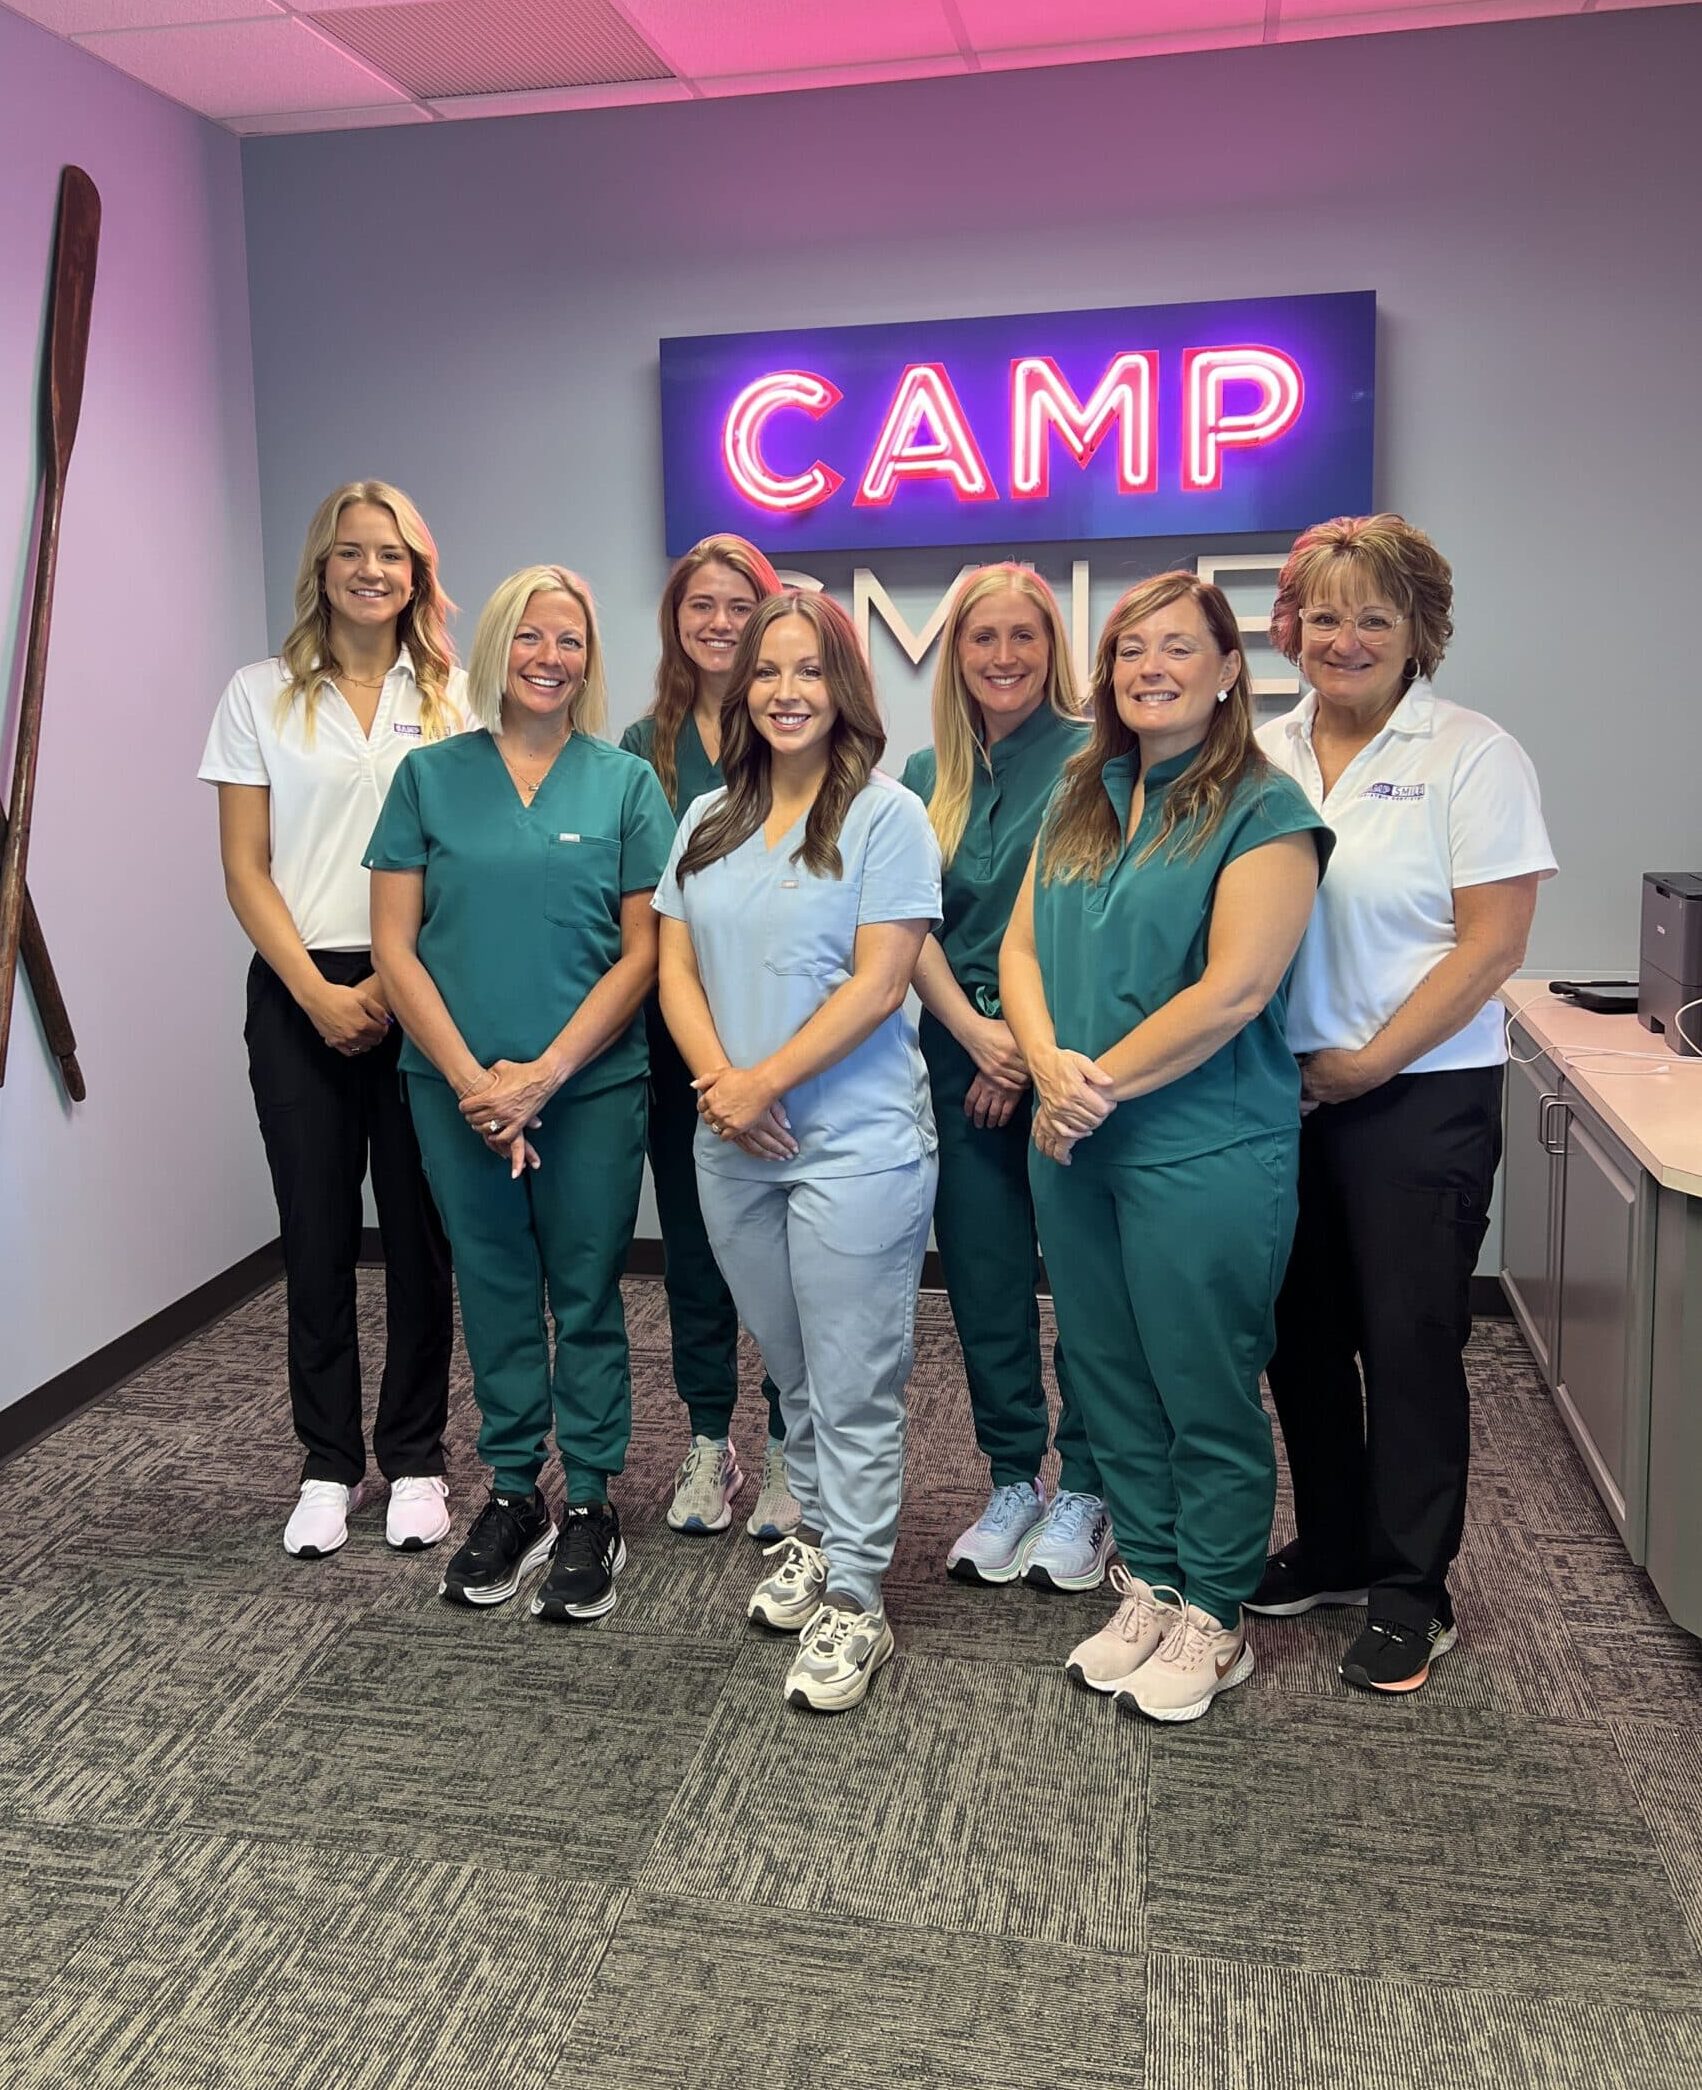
{"x":703,"y":1322}
{"x":984,"y":1226}
{"x":1165,"y":1279}
{"x":552,"y":1245}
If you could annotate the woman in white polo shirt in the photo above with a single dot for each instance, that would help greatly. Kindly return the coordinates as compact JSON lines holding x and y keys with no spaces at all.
{"x":303,"y":749}
{"x":1440,"y":845}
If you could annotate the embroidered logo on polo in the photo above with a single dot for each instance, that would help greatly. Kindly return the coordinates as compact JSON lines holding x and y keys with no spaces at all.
{"x":1405,"y":793}
{"x":409,"y":732}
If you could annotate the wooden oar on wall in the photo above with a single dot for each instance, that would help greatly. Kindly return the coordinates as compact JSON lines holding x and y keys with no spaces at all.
{"x":74,"y":254}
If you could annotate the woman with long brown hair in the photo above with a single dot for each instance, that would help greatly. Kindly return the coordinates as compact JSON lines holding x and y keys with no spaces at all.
{"x":1144,"y":976}
{"x":304,"y":749}
{"x":794,"y":905}
{"x":1006,"y":717}
{"x":707,"y":602}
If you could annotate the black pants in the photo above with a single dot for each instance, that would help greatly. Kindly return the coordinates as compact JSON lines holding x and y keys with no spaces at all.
{"x":322,"y":1116}
{"x":1394,"y":1201}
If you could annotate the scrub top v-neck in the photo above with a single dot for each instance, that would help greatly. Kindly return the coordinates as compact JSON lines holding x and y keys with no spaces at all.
{"x":1006,"y":800}
{"x":522,"y":902}
{"x":773,"y":939}
{"x":695,"y":774}
{"x":1114,"y":950}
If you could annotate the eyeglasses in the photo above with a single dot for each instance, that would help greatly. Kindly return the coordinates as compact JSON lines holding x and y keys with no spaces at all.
{"x":1373,"y":626}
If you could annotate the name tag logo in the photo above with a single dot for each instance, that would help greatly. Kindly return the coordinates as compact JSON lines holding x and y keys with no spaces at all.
{"x":1405,"y":793}
{"x":567,"y":838}
{"x":407,"y":732}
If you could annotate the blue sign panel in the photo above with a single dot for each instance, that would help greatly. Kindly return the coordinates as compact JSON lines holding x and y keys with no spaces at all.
{"x":1200,"y":421}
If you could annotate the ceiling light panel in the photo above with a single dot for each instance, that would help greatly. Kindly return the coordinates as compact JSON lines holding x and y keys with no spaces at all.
{"x":83,"y":17}
{"x":779,"y":37}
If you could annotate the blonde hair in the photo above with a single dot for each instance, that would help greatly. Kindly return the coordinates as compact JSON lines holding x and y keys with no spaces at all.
{"x":855,"y":746}
{"x":960,"y":731}
{"x":676,"y":672}
{"x":501,"y":618}
{"x":1399,"y":562}
{"x":1082,"y":836}
{"x":309,"y":659}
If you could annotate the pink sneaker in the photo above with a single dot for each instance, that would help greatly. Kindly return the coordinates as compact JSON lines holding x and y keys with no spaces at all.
{"x":1113,"y":1654}
{"x":418,"y":1515}
{"x":1198,"y":1658}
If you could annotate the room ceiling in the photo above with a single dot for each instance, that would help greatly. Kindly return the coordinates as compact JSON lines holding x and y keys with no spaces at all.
{"x":260,"y":66}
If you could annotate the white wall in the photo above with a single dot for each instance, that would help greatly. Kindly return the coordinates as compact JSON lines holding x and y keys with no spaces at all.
{"x":111,"y":1210}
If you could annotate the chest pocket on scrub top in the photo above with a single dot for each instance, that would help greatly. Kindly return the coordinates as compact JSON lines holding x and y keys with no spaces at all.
{"x":581,"y":873}
{"x":810,"y":926}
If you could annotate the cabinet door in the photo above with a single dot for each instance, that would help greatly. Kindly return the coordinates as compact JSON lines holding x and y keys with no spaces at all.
{"x":1602,"y":1346}
{"x":1528,"y":1207}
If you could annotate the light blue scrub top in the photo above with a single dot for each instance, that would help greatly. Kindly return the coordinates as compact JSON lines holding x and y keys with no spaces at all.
{"x":773,"y":941}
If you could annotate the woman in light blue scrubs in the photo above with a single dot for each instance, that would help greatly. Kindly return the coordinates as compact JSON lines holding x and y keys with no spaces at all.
{"x":794,"y":904}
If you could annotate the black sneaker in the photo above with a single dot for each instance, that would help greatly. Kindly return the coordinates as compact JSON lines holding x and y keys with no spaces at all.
{"x":589,"y":1554}
{"x":1391,"y":1657}
{"x":511,"y":1535}
{"x":1287,"y":1590}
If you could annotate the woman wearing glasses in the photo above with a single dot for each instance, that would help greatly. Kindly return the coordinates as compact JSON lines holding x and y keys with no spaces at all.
{"x":1440,"y":846}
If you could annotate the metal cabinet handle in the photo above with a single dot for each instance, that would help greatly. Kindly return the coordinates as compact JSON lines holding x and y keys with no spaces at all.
{"x":1550,"y":1102}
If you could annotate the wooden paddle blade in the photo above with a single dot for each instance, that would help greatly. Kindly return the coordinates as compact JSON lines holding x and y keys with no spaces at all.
{"x":74,"y":254}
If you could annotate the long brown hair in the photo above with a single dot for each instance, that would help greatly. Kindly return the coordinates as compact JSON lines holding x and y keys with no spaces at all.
{"x":676,"y":672}
{"x":1082,"y":836}
{"x":857,"y":742}
{"x":423,"y":627}
{"x":960,"y":733}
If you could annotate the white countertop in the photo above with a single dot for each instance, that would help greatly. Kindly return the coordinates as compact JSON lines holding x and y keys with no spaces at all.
{"x":1653,"y":1099}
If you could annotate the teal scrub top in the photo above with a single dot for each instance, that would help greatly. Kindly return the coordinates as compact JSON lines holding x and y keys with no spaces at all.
{"x":773,"y":940}
{"x":1114,"y":951}
{"x":523,"y":902}
{"x":697,"y":774}
{"x":1006,"y":802}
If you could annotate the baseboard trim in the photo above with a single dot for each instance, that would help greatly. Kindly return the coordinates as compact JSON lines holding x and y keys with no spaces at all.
{"x":52,"y":1404}
{"x":56,"y":1400}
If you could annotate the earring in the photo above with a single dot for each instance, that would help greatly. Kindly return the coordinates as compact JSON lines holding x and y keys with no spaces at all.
{"x":1223,"y":696}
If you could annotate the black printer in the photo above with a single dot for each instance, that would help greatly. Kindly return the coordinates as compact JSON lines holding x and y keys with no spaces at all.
{"x":1670,"y":971}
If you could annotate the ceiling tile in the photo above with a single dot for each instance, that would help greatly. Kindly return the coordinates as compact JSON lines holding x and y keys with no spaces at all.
{"x":781,"y":37}
{"x":448,"y":47}
{"x":286,"y":121}
{"x":867,"y":75}
{"x":1017,"y":25}
{"x":243,"y":68}
{"x":80,"y":17}
{"x":546,"y":101}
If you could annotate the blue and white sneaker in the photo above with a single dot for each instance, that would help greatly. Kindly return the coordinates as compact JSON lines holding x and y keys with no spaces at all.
{"x":1070,"y":1546}
{"x":991,"y":1549}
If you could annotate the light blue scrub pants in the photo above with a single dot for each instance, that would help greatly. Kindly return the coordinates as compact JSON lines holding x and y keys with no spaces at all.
{"x":824,"y":1274}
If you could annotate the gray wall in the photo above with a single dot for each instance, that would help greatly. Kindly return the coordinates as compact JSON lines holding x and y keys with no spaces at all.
{"x":472,"y":309}
{"x":110,"y":1211}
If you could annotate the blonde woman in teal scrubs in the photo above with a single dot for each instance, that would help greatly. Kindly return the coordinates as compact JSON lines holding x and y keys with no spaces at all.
{"x":707,"y":602}
{"x":1145,"y":977}
{"x":1006,"y":718}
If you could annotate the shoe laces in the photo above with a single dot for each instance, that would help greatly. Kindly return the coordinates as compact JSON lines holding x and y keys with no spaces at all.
{"x":416,"y":1485}
{"x":704,"y":1453}
{"x":801,"y":1564}
{"x":1139,"y":1599}
{"x":1071,"y":1514}
{"x":325,"y":1491}
{"x":583,"y":1536}
{"x":774,"y":1474}
{"x":828,"y":1631}
{"x":1187,"y":1645}
{"x":1006,"y":1504}
{"x":488,"y":1524}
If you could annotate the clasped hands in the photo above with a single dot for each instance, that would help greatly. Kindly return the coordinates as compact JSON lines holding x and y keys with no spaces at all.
{"x":739,"y":1105}
{"x":1001,"y":1072}
{"x":1075,"y":1099}
{"x":507,"y":1104}
{"x":351,"y":1020}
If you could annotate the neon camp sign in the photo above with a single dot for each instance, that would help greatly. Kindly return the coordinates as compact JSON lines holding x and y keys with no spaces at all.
{"x":1165,"y":420}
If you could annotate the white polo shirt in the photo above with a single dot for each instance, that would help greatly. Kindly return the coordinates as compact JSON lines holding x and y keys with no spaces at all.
{"x":1442,"y":798}
{"x":327,"y":790}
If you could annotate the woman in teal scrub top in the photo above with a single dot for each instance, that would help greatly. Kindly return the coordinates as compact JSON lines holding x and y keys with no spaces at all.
{"x":512,"y":928}
{"x":1006,"y":717}
{"x":796,"y":901}
{"x":708,"y":601}
{"x":1145,"y":977}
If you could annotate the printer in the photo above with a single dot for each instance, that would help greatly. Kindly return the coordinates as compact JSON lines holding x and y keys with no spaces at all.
{"x":1670,"y":968}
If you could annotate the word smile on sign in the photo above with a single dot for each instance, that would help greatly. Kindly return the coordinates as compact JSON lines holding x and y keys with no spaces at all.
{"x":1198,"y":420}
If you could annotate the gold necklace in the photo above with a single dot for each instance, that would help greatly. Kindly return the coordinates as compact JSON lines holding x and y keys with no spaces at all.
{"x":529,"y":786}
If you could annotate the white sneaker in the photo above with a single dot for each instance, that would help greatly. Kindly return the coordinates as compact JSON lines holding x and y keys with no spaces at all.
{"x":418,"y":1515}
{"x":776,"y":1514}
{"x":838,"y":1654}
{"x":319,"y":1523}
{"x":704,"y":1487}
{"x":786,"y":1598}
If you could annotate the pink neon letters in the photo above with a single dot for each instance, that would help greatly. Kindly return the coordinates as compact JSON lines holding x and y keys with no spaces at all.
{"x":926,"y":435}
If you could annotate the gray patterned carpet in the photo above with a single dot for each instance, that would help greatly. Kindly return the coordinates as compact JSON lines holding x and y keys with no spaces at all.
{"x":281,"y":1824}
